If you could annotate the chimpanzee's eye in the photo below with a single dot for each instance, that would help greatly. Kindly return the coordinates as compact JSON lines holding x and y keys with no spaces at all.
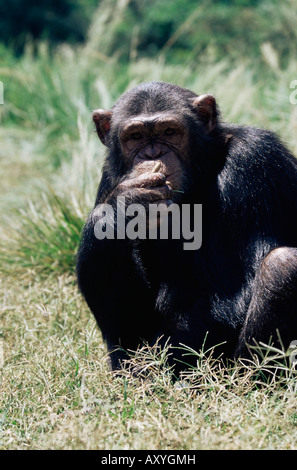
{"x":169,"y":131}
{"x":136,"y":136}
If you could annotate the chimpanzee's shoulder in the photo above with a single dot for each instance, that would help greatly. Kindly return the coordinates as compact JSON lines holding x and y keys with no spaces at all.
{"x":249,"y":133}
{"x":256,"y":143}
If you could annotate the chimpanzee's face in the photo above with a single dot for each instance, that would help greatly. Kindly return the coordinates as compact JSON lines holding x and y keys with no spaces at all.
{"x":151,"y":130}
{"x":155,"y":141}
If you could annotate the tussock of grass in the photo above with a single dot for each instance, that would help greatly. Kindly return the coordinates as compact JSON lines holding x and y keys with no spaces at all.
{"x":42,"y":241}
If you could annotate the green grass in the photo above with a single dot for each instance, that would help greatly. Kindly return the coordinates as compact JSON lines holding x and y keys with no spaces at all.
{"x":45,"y":240}
{"x":56,"y":390}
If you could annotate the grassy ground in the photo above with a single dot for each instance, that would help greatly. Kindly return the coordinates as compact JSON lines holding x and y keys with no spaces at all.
{"x":56,"y":390}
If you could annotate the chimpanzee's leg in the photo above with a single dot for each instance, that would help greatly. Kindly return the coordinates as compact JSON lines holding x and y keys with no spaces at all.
{"x":274,"y":302}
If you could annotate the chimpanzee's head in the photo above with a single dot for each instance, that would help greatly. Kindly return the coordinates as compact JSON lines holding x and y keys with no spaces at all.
{"x":159,"y":122}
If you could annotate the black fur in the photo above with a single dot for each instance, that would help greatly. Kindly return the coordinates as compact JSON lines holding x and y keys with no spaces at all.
{"x":238,"y":286}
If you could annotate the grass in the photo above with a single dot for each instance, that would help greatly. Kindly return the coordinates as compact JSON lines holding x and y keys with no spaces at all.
{"x":58,"y":394}
{"x":44,"y":241}
{"x":56,"y":390}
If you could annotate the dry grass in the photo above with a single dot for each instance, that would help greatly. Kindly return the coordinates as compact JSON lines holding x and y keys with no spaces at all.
{"x":57,"y":393}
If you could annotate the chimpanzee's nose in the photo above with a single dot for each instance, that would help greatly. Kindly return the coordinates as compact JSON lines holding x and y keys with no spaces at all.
{"x":151,"y":152}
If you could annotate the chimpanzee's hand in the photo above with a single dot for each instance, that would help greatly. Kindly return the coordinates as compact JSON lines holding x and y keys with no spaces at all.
{"x":147,"y":188}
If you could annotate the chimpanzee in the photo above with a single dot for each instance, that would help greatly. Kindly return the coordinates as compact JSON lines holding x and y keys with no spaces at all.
{"x":166,"y":144}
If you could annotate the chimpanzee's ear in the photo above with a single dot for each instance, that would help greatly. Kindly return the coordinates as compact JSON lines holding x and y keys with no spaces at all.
{"x":207,"y":110}
{"x":102,"y":119}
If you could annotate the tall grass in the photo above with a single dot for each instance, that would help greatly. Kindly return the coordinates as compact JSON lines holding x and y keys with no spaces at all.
{"x":43,"y":241}
{"x":53,"y":105}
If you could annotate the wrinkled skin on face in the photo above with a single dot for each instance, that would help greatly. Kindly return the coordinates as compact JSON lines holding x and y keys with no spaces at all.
{"x":155,"y":150}
{"x":154,"y":147}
